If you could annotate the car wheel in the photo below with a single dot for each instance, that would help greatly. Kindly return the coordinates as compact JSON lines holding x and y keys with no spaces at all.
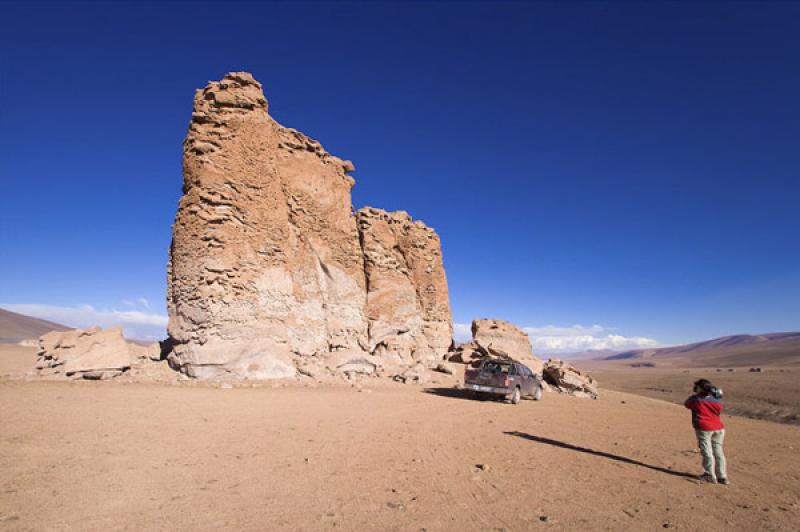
{"x":537,"y":395}
{"x":515,"y":396}
{"x":480,"y":396}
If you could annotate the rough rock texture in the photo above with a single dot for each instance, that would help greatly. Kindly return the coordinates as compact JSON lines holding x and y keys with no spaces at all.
{"x":267,"y":274}
{"x":91,"y":354}
{"x":497,"y":338}
{"x":566,"y":378}
{"x":408,"y":309}
{"x":504,"y":336}
{"x":265,"y":260}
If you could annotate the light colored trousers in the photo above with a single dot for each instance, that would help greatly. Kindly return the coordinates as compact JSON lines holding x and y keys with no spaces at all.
{"x":710,"y":442}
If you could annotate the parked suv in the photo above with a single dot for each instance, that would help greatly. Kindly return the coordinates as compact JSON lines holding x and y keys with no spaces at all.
{"x":505,"y":378}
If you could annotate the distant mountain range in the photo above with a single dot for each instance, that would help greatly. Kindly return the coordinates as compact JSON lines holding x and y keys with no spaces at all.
{"x":738,"y":350}
{"x":591,"y":354}
{"x":15,"y":328}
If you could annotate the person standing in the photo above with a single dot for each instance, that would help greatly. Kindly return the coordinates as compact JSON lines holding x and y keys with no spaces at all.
{"x":706,"y":407}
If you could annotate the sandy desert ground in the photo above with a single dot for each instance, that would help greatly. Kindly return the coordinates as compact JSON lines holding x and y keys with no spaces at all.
{"x":16,"y":359}
{"x":773,"y":394}
{"x":111,"y":456}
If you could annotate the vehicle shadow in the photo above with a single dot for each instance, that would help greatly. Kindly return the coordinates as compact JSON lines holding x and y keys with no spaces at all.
{"x":453,"y":393}
{"x":603,"y":454}
{"x":456,"y":393}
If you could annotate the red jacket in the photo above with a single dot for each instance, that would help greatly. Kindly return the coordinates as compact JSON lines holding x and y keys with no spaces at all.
{"x":705,"y":412}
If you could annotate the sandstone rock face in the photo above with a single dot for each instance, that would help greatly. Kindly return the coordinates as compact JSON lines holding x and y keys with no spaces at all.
{"x":91,"y":354}
{"x":566,"y":378}
{"x":503,"y":336}
{"x":498,"y":338}
{"x":408,"y":308}
{"x":267,"y":270}
{"x":98,"y":354}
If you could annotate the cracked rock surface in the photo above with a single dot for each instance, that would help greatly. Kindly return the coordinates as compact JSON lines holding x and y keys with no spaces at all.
{"x":270,"y":269}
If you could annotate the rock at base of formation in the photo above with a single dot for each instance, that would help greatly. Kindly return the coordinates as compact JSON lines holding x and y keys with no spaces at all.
{"x":497,"y":338}
{"x":267,"y":269}
{"x":408,"y":309}
{"x":566,"y":378}
{"x":91,"y":354}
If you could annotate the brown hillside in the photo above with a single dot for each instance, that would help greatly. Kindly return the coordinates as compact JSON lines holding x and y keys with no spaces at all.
{"x":17,"y":327}
{"x":729,"y":351}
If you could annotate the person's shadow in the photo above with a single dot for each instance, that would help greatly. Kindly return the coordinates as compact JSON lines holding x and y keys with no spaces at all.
{"x":610,"y":456}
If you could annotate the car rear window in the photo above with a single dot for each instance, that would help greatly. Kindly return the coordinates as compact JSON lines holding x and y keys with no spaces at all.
{"x":496,"y":367}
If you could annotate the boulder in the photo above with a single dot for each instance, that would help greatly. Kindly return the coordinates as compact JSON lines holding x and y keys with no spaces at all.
{"x":91,"y":353}
{"x":443,"y":367}
{"x":497,"y":338}
{"x":503,"y":336}
{"x":416,"y":374}
{"x":354,"y":362}
{"x":470,"y":353}
{"x":566,"y":378}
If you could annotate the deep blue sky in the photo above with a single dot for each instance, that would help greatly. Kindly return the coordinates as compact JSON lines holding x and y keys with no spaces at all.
{"x":630,"y":165}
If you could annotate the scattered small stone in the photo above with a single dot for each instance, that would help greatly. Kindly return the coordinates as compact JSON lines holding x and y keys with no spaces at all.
{"x":544,"y":519}
{"x":482,"y":467}
{"x":227,"y":386}
{"x":442,"y":367}
{"x":395,"y":505}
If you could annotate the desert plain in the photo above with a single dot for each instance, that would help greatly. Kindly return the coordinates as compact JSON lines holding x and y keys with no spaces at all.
{"x":771,"y":394}
{"x":187,"y":455}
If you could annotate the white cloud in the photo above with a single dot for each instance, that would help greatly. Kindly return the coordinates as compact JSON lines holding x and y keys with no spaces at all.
{"x":551,"y":339}
{"x":462,"y":332}
{"x":139,"y":302}
{"x":137,"y":324}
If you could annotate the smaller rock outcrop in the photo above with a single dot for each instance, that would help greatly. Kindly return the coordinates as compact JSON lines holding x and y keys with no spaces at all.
{"x":497,"y":338}
{"x":91,"y":354}
{"x":408,"y":308}
{"x":566,"y":378}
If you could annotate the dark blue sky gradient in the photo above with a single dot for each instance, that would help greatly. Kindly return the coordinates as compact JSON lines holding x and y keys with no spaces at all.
{"x":631,"y":165}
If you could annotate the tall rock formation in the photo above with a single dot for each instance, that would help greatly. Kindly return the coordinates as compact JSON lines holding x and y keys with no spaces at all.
{"x":265,"y":260}
{"x":266,"y":263}
{"x":408,"y":308}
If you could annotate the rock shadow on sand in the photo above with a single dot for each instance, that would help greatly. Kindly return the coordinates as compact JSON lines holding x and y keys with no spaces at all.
{"x":603,"y":454}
